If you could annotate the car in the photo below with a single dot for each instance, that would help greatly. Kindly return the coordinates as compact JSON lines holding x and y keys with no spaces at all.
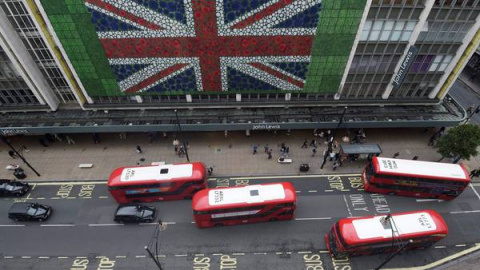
{"x":134,"y":213}
{"x":13,"y":188}
{"x":29,"y":211}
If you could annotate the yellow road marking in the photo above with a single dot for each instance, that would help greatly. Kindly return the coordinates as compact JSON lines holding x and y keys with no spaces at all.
{"x":442,"y":261}
{"x":71,"y":183}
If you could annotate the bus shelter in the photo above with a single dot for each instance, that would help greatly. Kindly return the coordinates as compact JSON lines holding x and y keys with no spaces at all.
{"x":355,"y":151}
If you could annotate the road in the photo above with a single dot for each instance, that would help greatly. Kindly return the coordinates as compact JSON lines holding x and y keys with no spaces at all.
{"x":81,"y":233}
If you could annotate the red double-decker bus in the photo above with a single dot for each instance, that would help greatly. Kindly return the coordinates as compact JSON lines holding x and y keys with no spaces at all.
{"x":415,"y":178}
{"x":385,"y":234}
{"x":244,"y":204}
{"x":157,"y":182}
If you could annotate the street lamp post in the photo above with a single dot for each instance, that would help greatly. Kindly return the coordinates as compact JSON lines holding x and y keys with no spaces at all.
{"x":389,"y":258}
{"x":5,"y":140}
{"x":161,"y":227}
{"x":180,"y":132}
{"x":153,"y":258}
{"x":332,"y":138}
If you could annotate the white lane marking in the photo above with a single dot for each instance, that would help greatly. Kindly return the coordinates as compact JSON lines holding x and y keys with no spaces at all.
{"x":428,"y":200}
{"x":320,"y":218}
{"x":291,"y":176}
{"x":180,"y":255}
{"x":440,"y":246}
{"x":201,"y":254}
{"x":312,"y":191}
{"x":323,"y":251}
{"x":81,"y":257}
{"x":62,"y":257}
{"x":12,"y":225}
{"x":102,"y":197}
{"x":140,"y":256}
{"x":279,"y":253}
{"x":40,"y":198}
{"x":461,"y":245}
{"x":72,"y":183}
{"x":238,"y":254}
{"x":304,"y":252}
{"x":26,"y":257}
{"x":8,"y":257}
{"x":475,"y":184}
{"x":348,"y":207}
{"x":217,"y":254}
{"x":328,"y":190}
{"x":33,"y":187}
{"x":297,"y":191}
{"x":476,"y":193}
{"x":43,"y":257}
{"x":259,"y":253}
{"x":161,"y":256}
{"x":121,"y":256}
{"x":99,"y":225}
{"x":55,"y":198}
{"x":57,"y":225}
{"x":465,"y":212}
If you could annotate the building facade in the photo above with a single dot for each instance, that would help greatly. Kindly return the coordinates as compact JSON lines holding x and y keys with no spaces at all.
{"x":162,"y":54}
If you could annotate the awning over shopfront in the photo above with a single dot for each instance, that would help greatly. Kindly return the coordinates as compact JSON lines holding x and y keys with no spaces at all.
{"x":367,"y":148}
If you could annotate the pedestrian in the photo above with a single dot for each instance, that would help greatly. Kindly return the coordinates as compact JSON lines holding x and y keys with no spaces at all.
{"x":431,"y":141}
{"x":477,"y":174}
{"x":470,"y":109}
{"x":396,"y":155}
{"x":96,"y":138}
{"x":43,"y":142}
{"x":265,"y":148}
{"x":336,"y":164}
{"x":12,"y":154}
{"x":474,"y":173}
{"x":305,"y":144}
{"x":69,"y":140}
{"x":269,"y":154}
{"x":176,"y":149}
{"x":287,"y":150}
{"x":314,"y":151}
{"x":210,"y":170}
{"x":415,"y":158}
{"x":255,"y":147}
{"x":313,"y":143}
{"x":139,"y":149}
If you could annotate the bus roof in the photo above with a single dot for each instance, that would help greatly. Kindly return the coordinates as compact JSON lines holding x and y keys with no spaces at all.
{"x":156,"y":173}
{"x":218,"y":198}
{"x":420,"y":168}
{"x":364,"y":230}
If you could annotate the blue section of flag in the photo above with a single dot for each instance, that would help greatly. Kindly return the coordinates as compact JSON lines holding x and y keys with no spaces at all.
{"x":240,"y":81}
{"x":104,"y":23}
{"x":236,"y":8}
{"x":174,"y":9}
{"x":184,"y":81}
{"x":298,"y":69}
{"x":306,"y":19}
{"x":124,"y":71}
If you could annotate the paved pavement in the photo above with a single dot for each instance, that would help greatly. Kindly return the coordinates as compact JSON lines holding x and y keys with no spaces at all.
{"x":230,"y":156}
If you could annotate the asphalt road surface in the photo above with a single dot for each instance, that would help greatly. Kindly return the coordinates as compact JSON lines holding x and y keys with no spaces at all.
{"x":81,"y":233}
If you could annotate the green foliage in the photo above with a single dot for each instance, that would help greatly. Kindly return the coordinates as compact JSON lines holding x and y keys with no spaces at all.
{"x":461,"y":141}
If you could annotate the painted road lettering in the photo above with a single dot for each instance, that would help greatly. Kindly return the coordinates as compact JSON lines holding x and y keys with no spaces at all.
{"x":64,"y":191}
{"x":336,"y":182}
{"x":227,"y":262}
{"x":223,"y":182}
{"x":201,"y":263}
{"x":341,"y":264}
{"x":313,"y":262}
{"x":380,"y":203}
{"x":358,"y":202}
{"x":79,"y":264}
{"x":86,"y":191}
{"x":105,"y":264}
{"x":242,"y":182}
{"x":355,"y":182}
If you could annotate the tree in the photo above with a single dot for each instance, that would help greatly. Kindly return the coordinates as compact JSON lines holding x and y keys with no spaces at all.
{"x":460,"y":142}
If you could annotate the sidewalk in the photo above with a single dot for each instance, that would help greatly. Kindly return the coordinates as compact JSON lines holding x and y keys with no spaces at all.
{"x":230,"y":156}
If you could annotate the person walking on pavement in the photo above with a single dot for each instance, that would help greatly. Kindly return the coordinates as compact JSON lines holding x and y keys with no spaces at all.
{"x":474,"y":173}
{"x":69,"y":140}
{"x":12,"y":154}
{"x":269,"y":154}
{"x":265,"y":148}
{"x":210,"y":170}
{"x":314,"y":151}
{"x":255,"y":147}
{"x":431,"y":141}
{"x":139,"y":149}
{"x":305,"y":144}
{"x":313,"y":143}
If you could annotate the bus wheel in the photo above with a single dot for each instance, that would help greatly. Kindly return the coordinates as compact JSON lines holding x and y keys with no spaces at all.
{"x":392,"y":193}
{"x":218,"y":224}
{"x":273,"y":219}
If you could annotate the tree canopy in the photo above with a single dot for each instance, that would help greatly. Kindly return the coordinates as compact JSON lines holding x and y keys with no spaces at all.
{"x":460,"y":142}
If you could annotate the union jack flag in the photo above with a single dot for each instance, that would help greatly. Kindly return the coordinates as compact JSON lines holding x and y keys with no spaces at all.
{"x":206,"y":45}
